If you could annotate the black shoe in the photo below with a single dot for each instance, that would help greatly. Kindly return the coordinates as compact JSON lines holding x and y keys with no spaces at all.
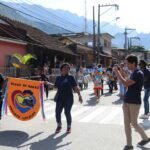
{"x":58,"y":129}
{"x":68,"y":130}
{"x":143,"y":142}
{"x":127,"y":147}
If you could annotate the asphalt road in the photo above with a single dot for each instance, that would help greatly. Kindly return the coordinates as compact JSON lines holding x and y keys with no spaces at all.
{"x":96,"y":126}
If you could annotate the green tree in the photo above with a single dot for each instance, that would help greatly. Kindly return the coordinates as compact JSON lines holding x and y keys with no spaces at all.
{"x":136,"y":48}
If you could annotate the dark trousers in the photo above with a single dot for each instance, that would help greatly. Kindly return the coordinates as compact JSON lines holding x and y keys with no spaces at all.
{"x":46,"y":90}
{"x":1,"y":103}
{"x":115,"y":85}
{"x":67,"y":105}
{"x":146,"y":101}
{"x":102,"y":92}
{"x":111,"y":85}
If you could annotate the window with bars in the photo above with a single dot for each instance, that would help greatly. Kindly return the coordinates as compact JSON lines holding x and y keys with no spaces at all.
{"x":8,"y":61}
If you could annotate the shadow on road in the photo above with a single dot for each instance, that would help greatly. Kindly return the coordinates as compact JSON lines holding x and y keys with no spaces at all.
{"x":144,"y":148}
{"x":145,"y":124}
{"x":91,"y":102}
{"x":118,"y":102}
{"x":14,"y":138}
{"x":92,"y":94}
{"x":107,"y":94}
{"x":50,"y":143}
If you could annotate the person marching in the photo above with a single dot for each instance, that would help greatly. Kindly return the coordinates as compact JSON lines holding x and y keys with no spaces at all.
{"x":65,"y":85}
{"x":132,"y":102}
{"x":97,"y":84}
{"x":110,"y":76}
{"x":101,"y":73}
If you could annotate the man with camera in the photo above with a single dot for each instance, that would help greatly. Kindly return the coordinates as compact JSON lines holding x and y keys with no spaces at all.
{"x":132,"y":101}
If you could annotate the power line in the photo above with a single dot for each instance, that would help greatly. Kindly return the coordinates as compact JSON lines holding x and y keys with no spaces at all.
{"x":20,"y":38}
{"x":64,"y":21}
{"x":106,"y":11}
{"x":34,"y":17}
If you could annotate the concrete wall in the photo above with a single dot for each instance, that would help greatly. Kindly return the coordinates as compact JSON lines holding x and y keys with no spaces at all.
{"x":9,"y":48}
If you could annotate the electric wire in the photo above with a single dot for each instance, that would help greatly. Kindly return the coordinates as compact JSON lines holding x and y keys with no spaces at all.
{"x":34,"y":17}
{"x":20,"y":38}
{"x":64,"y":22}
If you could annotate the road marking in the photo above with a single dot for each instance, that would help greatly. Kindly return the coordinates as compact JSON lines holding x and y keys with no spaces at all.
{"x":77,"y":112}
{"x":48,"y":107}
{"x":112,"y":114}
{"x":93,"y":114}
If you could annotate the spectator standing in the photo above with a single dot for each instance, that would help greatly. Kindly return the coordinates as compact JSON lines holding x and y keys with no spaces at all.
{"x":121,"y":86}
{"x":146,"y":72}
{"x":132,"y":102}
{"x":44,"y":77}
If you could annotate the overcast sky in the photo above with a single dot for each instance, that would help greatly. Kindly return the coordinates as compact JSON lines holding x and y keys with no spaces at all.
{"x":132,"y":13}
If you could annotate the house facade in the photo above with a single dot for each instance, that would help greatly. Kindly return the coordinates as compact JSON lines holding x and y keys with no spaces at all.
{"x":8,"y":47}
{"x":10,"y":44}
{"x":46,"y":47}
{"x":103,"y":55}
{"x":84,"y":53}
{"x":119,"y":55}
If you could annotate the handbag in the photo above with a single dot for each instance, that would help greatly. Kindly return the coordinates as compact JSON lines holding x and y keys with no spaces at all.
{"x":56,"y":96}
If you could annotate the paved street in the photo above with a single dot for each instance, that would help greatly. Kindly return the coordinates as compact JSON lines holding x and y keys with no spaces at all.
{"x":96,"y":126}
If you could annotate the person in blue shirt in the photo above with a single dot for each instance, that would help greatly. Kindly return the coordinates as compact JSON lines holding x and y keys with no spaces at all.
{"x":132,"y":101}
{"x":146,"y":72}
{"x":65,"y":85}
{"x":101,"y":71}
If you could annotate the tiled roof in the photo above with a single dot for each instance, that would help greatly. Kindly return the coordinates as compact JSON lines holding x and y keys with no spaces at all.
{"x":41,"y":37}
{"x":8,"y":31}
{"x":80,"y":46}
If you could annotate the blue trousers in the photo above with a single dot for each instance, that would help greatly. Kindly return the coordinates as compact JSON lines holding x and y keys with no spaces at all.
{"x":1,"y":103}
{"x":67,"y":105}
{"x":146,"y":101}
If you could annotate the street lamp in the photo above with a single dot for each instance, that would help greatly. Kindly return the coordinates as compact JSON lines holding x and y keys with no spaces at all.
{"x":117,"y":18}
{"x":125,"y":33}
{"x":131,"y":38}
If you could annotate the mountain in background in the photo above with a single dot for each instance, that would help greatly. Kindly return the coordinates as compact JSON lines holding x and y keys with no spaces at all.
{"x":60,"y":21}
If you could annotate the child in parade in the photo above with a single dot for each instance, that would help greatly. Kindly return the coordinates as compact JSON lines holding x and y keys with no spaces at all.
{"x":97,"y":84}
{"x":111,"y":79}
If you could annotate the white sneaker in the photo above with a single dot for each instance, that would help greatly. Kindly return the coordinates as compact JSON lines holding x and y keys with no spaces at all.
{"x":144,"y":117}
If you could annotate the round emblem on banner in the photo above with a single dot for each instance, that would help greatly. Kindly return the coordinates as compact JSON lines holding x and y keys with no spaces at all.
{"x":23,"y":104}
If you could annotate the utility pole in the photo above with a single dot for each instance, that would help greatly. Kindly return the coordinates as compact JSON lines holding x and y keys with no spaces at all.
{"x":94,"y":37}
{"x":85,"y":25}
{"x":98,"y":38}
{"x":125,"y":33}
{"x":99,"y":45}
